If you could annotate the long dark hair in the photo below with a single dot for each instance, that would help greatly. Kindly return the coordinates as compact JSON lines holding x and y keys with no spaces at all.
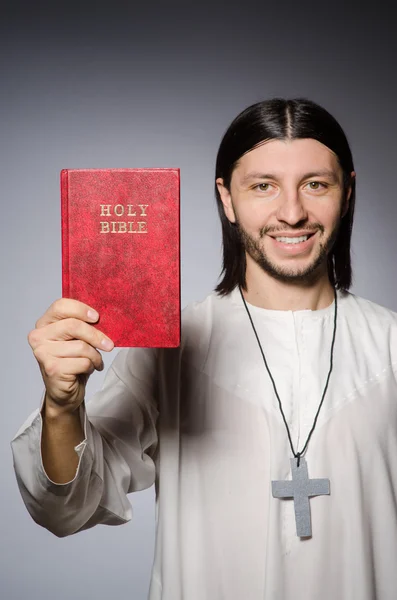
{"x":282,"y":119}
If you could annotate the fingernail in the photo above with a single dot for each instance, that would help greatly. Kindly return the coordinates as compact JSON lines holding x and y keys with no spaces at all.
{"x":93,"y":315}
{"x":107,"y":344}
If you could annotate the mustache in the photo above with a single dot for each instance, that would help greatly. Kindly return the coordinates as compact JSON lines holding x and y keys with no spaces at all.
{"x":307,"y":227}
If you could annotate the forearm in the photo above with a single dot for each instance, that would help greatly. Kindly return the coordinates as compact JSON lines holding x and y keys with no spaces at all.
{"x":61,"y":433}
{"x":67,"y":490}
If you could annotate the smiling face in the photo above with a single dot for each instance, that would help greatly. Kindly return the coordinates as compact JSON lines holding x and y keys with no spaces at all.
{"x":287,"y":199}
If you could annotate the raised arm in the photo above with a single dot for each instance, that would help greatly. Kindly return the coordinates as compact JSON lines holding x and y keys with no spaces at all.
{"x":75,"y":466}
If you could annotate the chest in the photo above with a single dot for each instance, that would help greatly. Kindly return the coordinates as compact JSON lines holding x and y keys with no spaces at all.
{"x":232,"y":391}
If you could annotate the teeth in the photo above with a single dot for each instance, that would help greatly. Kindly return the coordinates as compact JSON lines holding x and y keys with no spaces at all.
{"x":295,"y":240}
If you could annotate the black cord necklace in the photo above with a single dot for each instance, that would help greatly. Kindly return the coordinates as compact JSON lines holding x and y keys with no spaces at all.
{"x":301,"y":487}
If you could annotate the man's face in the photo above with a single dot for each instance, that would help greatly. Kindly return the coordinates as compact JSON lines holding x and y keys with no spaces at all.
{"x":287,"y":199}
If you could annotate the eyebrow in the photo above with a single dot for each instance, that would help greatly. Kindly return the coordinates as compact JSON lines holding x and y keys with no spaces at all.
{"x":322,"y":173}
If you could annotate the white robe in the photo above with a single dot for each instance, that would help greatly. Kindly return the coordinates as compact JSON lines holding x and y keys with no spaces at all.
{"x":203,"y":423}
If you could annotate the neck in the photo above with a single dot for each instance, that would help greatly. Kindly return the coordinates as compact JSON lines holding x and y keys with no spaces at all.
{"x":264,"y":291}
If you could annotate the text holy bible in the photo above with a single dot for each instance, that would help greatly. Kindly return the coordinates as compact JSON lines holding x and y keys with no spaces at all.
{"x":121,"y":251}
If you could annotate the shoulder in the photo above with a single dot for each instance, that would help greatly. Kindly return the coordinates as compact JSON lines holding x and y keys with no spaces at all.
{"x":203,"y":309}
{"x":358,"y":309}
{"x":206,"y":313}
{"x":370,"y":325}
{"x":199,"y":320}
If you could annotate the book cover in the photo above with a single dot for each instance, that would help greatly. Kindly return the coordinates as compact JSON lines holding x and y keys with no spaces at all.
{"x":121,"y":251}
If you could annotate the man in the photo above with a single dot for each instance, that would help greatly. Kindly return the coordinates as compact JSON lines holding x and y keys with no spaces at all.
{"x":282,"y":375}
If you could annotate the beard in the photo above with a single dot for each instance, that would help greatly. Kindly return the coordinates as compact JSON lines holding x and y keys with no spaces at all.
{"x":305,"y":275}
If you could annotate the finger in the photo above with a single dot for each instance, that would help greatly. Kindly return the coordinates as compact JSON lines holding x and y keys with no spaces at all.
{"x":69,"y":349}
{"x":69,"y":329}
{"x":68,"y":368}
{"x":64,"y":308}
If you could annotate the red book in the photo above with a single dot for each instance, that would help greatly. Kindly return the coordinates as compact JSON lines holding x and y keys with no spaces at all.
{"x":121,"y":251}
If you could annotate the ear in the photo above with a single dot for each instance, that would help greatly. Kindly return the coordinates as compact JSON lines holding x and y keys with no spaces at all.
{"x":349,"y":193}
{"x":226,"y":200}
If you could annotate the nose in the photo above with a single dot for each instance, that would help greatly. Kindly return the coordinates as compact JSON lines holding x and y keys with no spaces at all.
{"x":291,"y":207}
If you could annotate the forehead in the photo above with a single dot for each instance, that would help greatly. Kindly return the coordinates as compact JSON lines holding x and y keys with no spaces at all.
{"x":287,"y":157}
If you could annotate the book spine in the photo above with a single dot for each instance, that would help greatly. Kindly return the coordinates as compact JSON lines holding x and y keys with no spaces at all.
{"x":65,"y":233}
{"x":178,"y":172}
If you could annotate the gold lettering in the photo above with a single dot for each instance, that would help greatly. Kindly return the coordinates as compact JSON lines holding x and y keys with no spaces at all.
{"x":143,"y":207}
{"x":119,"y":210}
{"x":105,"y":210}
{"x":123,"y":227}
{"x":119,"y":214}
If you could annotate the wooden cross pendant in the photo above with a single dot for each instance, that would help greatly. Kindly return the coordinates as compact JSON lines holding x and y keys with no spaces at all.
{"x":301,"y":488}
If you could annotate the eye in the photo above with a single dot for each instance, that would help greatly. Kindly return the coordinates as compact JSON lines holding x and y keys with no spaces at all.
{"x":262,"y":187}
{"x":316,"y":185}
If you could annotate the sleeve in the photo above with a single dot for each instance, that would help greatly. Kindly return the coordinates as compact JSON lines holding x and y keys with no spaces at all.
{"x":116,"y":457}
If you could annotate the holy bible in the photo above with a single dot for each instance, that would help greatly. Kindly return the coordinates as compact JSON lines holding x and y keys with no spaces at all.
{"x":121,"y":251}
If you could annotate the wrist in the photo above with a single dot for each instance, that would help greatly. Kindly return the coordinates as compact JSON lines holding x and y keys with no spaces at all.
{"x":54,"y":412}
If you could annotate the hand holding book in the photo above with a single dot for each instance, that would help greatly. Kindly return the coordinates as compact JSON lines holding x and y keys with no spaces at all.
{"x":66,"y":345}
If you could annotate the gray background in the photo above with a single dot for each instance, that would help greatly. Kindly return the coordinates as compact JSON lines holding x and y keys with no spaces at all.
{"x":116,"y":85}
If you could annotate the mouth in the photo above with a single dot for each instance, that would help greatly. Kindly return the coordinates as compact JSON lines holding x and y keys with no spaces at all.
{"x":293,"y":239}
{"x":294,"y":243}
